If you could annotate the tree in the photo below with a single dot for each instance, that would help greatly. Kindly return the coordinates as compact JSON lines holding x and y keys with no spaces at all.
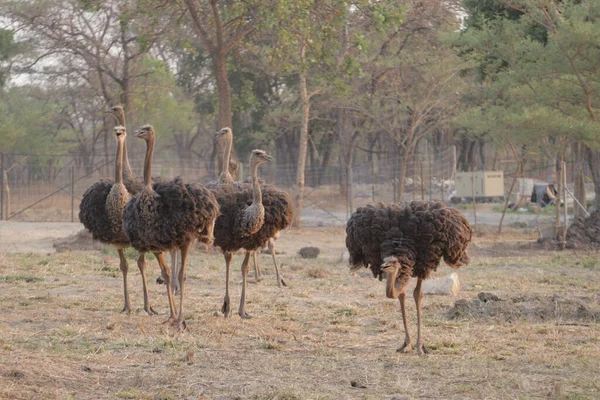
{"x":539,"y":59}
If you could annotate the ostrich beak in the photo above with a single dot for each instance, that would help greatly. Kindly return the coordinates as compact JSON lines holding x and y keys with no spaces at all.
{"x":268,"y":157}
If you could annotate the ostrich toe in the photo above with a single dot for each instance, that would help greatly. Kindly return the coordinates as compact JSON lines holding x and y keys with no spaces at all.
{"x":226,"y":308}
{"x":421,"y":349}
{"x":406,"y":348}
{"x":244,"y":315}
{"x":150,"y":311}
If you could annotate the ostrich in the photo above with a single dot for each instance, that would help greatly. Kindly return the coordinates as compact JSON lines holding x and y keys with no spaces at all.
{"x":250,"y":215}
{"x":101,"y":213}
{"x":406,"y":240}
{"x":169,"y":216}
{"x":225,"y":178}
{"x":134,"y":184}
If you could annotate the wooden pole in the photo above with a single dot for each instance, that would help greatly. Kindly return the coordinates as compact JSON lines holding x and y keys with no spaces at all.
{"x":564,"y":187}
{"x":422,"y":183}
{"x":512,"y":186}
{"x":2,"y":216}
{"x":473,"y":194}
{"x":73,"y":193}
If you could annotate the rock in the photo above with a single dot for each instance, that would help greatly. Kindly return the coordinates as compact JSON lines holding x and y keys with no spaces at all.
{"x":358,"y":384}
{"x":449,"y":285}
{"x":485,"y":297}
{"x":309,"y":252}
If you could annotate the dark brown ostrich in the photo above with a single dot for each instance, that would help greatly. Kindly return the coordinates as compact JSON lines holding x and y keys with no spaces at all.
{"x":101,"y":213}
{"x":250,"y":215}
{"x":134,"y":184}
{"x":169,"y":216}
{"x":226,"y":136}
{"x":407,"y":240}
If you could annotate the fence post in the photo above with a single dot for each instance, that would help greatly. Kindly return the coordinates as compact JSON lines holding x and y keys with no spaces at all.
{"x":566,"y":209}
{"x":2,"y":216}
{"x":73,"y":193}
{"x":350,"y":192}
{"x":473,"y":194}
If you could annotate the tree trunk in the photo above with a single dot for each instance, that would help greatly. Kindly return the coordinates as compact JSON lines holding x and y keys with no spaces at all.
{"x":223,"y":90}
{"x":593,"y":158}
{"x":302,"y":145}
{"x":557,"y":223}
{"x":403,"y":168}
{"x":6,"y":194}
{"x":579,"y":190}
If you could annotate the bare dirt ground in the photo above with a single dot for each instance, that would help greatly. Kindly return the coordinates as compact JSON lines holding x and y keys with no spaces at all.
{"x":329,"y":335}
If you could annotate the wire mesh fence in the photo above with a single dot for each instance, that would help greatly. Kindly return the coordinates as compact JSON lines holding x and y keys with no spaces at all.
{"x":43,"y":187}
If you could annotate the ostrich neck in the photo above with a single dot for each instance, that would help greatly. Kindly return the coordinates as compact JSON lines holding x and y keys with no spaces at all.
{"x":227,"y":154}
{"x":127,"y":173}
{"x":148,"y":163}
{"x":119,"y":161}
{"x":390,"y":288}
{"x":256,"y":192}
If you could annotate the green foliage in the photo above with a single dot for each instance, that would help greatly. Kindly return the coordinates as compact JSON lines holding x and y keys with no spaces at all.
{"x":538,"y":62}
{"x":30,"y":122}
{"x":162,"y":103}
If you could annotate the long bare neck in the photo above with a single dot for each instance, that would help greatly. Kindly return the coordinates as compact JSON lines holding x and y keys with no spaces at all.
{"x":225,"y":176}
{"x":256,"y":192}
{"x":227,"y":155}
{"x":390,"y":288}
{"x":119,"y":160}
{"x":128,"y":173}
{"x":148,"y":163}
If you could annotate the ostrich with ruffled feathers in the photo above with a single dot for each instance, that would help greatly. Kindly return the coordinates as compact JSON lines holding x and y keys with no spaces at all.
{"x":400,"y":241}
{"x":251,"y":214}
{"x":168,"y":216}
{"x":277,"y":202}
{"x":101,"y":213}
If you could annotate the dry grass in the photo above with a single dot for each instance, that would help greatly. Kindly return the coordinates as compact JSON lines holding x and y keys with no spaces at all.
{"x":62,"y":336}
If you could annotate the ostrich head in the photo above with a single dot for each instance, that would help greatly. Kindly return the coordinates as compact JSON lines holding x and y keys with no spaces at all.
{"x":145,"y":132}
{"x":396,"y":267}
{"x":259,"y":157}
{"x":224,"y":132}
{"x":117,"y":112}
{"x":120,"y":132}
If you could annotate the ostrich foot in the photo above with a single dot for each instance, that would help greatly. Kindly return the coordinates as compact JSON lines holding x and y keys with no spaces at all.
{"x":226,"y":309}
{"x":406,"y":348}
{"x":257,"y":279}
{"x":126,"y":309}
{"x":421,"y":349}
{"x":150,"y":311}
{"x":171,"y":321}
{"x":281,"y":283}
{"x":181,"y":326}
{"x":244,"y":315}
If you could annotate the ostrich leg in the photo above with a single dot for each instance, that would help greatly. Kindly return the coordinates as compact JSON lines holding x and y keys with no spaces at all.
{"x":175,"y":271}
{"x":185,"y":249}
{"x":226,"y":309}
{"x":418,"y":295}
{"x":141,"y":262}
{"x":124,"y":269}
{"x":167,"y":273}
{"x":257,"y":274}
{"x":280,"y":281}
{"x":407,"y":346}
{"x":245,"y":268}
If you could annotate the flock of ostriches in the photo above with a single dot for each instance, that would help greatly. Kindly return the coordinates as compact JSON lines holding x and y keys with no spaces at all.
{"x":396,"y":241}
